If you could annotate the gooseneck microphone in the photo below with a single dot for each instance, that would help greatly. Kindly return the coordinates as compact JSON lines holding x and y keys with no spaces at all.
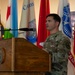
{"x":27,"y":29}
{"x":21,"y":29}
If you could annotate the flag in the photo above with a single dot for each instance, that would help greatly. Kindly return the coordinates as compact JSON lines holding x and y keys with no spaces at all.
{"x":7,"y":33}
{"x":71,"y":61}
{"x":14,"y":18}
{"x":74,"y":44}
{"x":28,"y":21}
{"x":42,"y":32}
{"x":11,"y":20}
{"x":64,"y":13}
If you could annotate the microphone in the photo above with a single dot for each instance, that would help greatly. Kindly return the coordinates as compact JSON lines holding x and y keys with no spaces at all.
{"x":27,"y":29}
{"x":21,"y":29}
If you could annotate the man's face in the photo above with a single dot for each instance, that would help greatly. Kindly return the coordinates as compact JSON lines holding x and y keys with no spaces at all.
{"x":50,"y":23}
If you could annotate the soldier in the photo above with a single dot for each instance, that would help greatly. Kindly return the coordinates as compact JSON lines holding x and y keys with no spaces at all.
{"x":57,"y":44}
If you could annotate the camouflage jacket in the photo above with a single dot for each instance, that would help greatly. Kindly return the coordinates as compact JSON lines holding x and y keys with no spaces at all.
{"x":58,"y":45}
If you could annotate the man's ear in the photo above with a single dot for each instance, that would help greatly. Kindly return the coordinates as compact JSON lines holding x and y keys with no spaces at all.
{"x":57,"y":23}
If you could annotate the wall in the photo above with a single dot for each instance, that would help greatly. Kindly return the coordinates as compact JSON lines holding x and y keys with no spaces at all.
{"x":53,"y":8}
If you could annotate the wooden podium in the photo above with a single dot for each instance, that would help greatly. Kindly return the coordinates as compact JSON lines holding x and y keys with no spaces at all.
{"x":20,"y":57}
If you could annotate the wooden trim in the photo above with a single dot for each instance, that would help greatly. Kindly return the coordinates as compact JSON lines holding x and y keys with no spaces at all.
{"x":13,"y":54}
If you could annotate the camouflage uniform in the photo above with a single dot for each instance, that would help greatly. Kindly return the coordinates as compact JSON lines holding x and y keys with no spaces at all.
{"x":58,"y":45}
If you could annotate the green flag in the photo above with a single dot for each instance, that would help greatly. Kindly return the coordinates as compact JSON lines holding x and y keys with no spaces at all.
{"x":7,"y":34}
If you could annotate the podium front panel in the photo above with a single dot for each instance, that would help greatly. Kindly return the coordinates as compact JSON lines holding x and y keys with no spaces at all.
{"x":19,"y":55}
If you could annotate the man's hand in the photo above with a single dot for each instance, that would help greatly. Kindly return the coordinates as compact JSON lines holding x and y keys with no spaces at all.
{"x":45,"y":50}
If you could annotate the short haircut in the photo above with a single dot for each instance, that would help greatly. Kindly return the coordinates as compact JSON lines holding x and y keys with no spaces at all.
{"x":56,"y":17}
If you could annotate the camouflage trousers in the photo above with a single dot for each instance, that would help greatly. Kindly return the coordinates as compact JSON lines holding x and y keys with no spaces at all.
{"x":59,"y":69}
{"x":58,"y":73}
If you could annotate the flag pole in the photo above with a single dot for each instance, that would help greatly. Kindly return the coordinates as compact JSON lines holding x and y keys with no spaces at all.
{"x":0,"y":19}
{"x":0,"y":16}
{"x":1,"y":27}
